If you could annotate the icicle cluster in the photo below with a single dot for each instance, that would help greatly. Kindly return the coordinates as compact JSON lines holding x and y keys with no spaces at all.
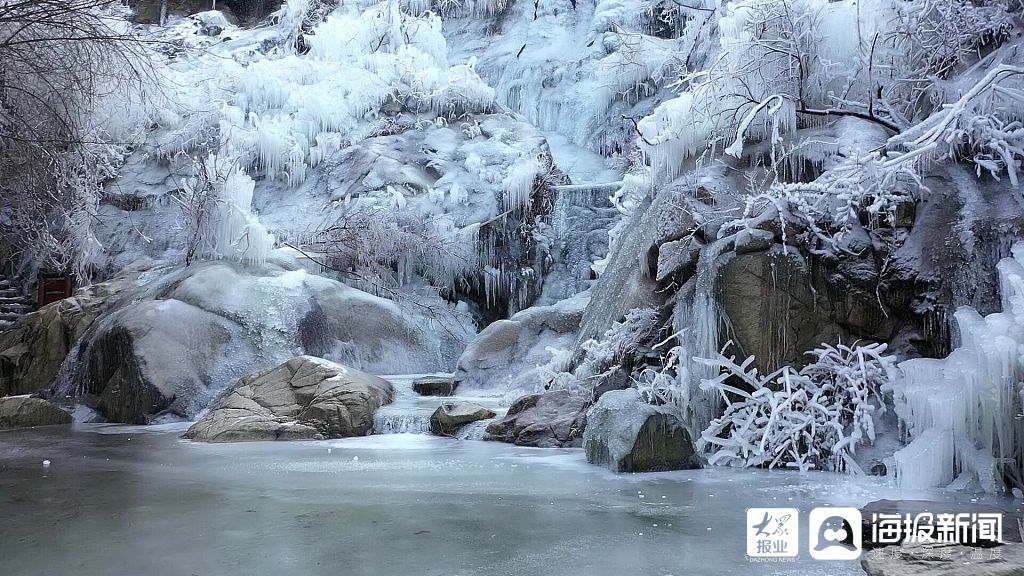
{"x":230,"y":228}
{"x":963,"y":411}
{"x":282,"y":112}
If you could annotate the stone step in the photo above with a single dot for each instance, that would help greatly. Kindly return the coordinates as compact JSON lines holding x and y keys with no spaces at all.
{"x":16,"y":300}
{"x":8,"y":317}
{"x":9,"y":292}
{"x":4,"y":325}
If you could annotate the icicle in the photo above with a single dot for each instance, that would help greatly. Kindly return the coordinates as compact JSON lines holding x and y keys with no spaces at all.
{"x":973,"y":395}
{"x":518,"y":183}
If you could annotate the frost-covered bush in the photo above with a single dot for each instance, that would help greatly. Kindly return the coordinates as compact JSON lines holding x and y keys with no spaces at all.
{"x":985,"y":126}
{"x":784,"y":65}
{"x":73,"y":93}
{"x":638,"y":328}
{"x":813,"y":418}
{"x":380,"y":250}
{"x":858,"y":189}
{"x":216,"y":208}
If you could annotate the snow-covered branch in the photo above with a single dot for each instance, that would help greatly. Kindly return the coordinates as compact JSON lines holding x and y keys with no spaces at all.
{"x":813,"y":418}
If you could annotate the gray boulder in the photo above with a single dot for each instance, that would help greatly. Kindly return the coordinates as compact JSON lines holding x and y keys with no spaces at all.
{"x":617,"y":379}
{"x":26,"y":411}
{"x":626,"y":434}
{"x":450,"y":416}
{"x":752,"y":240}
{"x":153,"y":356}
{"x":305,"y":398}
{"x":678,"y":258}
{"x":941,"y":559}
{"x":506,"y":353}
{"x":434,"y":386}
{"x":550,"y":420}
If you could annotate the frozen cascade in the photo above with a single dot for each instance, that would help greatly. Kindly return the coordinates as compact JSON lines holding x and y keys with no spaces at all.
{"x":409,"y":413}
{"x":580,"y":212}
{"x":963,"y":411}
{"x":698,"y":323}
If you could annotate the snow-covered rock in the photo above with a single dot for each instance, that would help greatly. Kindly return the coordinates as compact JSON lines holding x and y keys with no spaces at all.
{"x":550,"y":420}
{"x":173,"y":343}
{"x":152,"y":356}
{"x":305,"y":398}
{"x":508,"y":353}
{"x":626,"y":434}
{"x":25,"y":411}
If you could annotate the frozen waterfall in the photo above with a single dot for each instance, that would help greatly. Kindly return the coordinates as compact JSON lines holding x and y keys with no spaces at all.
{"x":964,"y":412}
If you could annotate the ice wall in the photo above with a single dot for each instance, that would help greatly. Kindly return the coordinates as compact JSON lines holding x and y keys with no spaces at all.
{"x":963,"y":412}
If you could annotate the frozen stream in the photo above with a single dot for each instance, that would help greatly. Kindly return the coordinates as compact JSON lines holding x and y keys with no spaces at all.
{"x":410,"y":413}
{"x":138,"y":501}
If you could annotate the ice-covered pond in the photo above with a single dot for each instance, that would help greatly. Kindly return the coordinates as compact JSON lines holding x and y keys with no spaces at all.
{"x":139,"y":501}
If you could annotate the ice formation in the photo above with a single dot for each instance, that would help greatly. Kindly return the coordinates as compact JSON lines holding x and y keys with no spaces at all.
{"x":963,"y":411}
{"x":237,"y":233}
{"x":284,"y":111}
{"x":774,"y":58}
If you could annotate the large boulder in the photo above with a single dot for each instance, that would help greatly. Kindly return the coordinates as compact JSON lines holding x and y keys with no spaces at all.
{"x":155,"y":356}
{"x":171,"y":345}
{"x":550,"y":420}
{"x":507,"y":353}
{"x":451,"y":416}
{"x":26,"y":411}
{"x":305,"y":398}
{"x":626,"y":434}
{"x":943,"y":559}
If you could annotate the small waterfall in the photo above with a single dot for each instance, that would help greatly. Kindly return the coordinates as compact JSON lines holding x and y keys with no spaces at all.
{"x":699,"y":323}
{"x":409,"y":413}
{"x":473,"y":430}
{"x":390,"y":420}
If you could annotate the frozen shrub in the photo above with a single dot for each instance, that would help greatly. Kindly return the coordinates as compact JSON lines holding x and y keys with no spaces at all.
{"x":622,"y":340}
{"x":811,"y":419}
